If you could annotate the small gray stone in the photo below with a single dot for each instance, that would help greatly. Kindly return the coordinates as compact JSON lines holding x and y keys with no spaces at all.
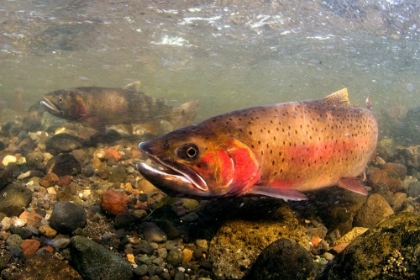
{"x":4,"y":260}
{"x":158,"y":261}
{"x":141,"y":270}
{"x":64,"y":164}
{"x":174,"y":257}
{"x":66,"y":217}
{"x":95,"y":262}
{"x":190,"y":217}
{"x":123,"y":220}
{"x":152,"y":233}
{"x":62,"y":143}
{"x":13,"y":240}
{"x":414,"y":189}
{"x":144,"y":248}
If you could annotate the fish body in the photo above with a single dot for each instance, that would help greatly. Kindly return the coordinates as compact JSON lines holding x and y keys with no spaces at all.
{"x":101,"y":106}
{"x":277,"y":150}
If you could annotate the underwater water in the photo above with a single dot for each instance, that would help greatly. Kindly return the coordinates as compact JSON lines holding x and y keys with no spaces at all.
{"x":228,"y":55}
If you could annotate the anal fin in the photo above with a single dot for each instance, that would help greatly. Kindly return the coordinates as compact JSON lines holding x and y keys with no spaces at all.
{"x":277,"y":193}
{"x":352,"y":184}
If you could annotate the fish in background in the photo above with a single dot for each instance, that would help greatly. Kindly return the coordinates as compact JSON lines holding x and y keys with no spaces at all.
{"x":278,"y":150}
{"x":102,"y":106}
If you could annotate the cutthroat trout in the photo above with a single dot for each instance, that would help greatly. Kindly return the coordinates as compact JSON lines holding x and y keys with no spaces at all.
{"x":277,"y":150}
{"x":101,"y":106}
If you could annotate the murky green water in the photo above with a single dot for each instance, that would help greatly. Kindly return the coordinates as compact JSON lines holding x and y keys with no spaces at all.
{"x":227,"y":54}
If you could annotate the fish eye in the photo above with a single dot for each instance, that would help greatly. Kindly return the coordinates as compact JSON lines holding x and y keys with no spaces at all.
{"x":61,"y":99}
{"x":187,"y":151}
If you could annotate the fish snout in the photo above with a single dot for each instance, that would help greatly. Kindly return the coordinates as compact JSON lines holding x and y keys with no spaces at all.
{"x":144,"y":147}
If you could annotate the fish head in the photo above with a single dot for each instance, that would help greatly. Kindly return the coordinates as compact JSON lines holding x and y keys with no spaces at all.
{"x":66,"y":104}
{"x":199,"y":164}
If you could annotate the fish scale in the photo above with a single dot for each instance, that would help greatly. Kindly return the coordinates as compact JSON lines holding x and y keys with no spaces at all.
{"x":277,"y":150}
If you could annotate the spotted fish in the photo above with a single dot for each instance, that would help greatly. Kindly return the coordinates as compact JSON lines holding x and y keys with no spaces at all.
{"x":278,"y":150}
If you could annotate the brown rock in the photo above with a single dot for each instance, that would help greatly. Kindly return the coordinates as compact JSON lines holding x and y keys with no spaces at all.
{"x":372,"y":211}
{"x":386,"y":177}
{"x":51,"y":179}
{"x":29,"y":247}
{"x":398,"y":199}
{"x":64,"y":181}
{"x":114,"y":202}
{"x":398,"y":168}
{"x":33,"y":219}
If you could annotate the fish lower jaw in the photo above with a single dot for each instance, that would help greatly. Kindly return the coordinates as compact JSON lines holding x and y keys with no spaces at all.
{"x":159,"y":171}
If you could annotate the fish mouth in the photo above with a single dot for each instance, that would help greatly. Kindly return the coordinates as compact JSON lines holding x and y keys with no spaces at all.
{"x":51,"y":107}
{"x":171,"y":176}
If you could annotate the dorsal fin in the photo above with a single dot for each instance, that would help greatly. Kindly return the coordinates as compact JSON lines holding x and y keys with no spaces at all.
{"x":134,"y":86}
{"x":337,"y":98}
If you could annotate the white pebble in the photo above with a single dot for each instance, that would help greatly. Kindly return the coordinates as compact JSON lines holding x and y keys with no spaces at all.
{"x":8,"y":159}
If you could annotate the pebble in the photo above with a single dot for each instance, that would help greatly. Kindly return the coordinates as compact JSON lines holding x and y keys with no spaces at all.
{"x":114,"y":202}
{"x":47,"y":231}
{"x":29,"y":247}
{"x":62,"y":143}
{"x":141,"y":270}
{"x":202,"y":244}
{"x":8,"y":159}
{"x":174,"y":258}
{"x":187,"y":255}
{"x":13,"y":240}
{"x":414,"y":189}
{"x":152,"y":233}
{"x":66,"y":217}
{"x":112,"y":154}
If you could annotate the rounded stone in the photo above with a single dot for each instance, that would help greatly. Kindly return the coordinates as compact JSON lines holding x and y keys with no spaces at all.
{"x":372,"y":211}
{"x":66,"y":217}
{"x":283,"y":259}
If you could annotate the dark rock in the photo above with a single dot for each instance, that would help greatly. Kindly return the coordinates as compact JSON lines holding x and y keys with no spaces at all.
{"x":23,"y":232}
{"x":179,"y":276}
{"x":49,"y":268}
{"x":169,"y":228}
{"x":13,"y":240}
{"x":64,"y":164}
{"x":414,"y":189}
{"x":144,"y":248}
{"x":63,"y":143}
{"x":141,"y":270}
{"x":95,"y":262}
{"x":2,"y":146}
{"x":123,"y":220}
{"x":31,"y":124}
{"x":88,"y":170}
{"x":14,"y":199}
{"x":387,"y":251}
{"x":66,"y":217}
{"x":282,"y":259}
{"x":6,"y":177}
{"x":16,"y":252}
{"x":152,"y":233}
{"x":373,"y":211}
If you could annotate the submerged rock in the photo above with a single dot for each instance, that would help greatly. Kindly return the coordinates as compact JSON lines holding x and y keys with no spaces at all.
{"x":64,"y":164}
{"x":14,"y":199}
{"x":282,"y":259}
{"x":66,"y":217}
{"x":63,"y":143}
{"x":238,"y":242}
{"x":95,"y":262}
{"x":390,"y":250}
{"x":46,"y":267}
{"x":373,"y":211}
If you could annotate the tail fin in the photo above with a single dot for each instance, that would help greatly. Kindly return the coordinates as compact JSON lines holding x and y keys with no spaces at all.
{"x":184,"y":114}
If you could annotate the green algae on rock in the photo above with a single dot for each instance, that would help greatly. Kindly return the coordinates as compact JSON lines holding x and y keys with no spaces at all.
{"x":240,"y":241}
{"x":390,"y":250}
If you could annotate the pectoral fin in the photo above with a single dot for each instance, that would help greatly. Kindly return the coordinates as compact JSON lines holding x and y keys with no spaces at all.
{"x":277,"y":193}
{"x":352,"y":184}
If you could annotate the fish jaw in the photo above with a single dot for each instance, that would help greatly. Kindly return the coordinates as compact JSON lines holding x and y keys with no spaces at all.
{"x":172,"y":178}
{"x":51,"y":107}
